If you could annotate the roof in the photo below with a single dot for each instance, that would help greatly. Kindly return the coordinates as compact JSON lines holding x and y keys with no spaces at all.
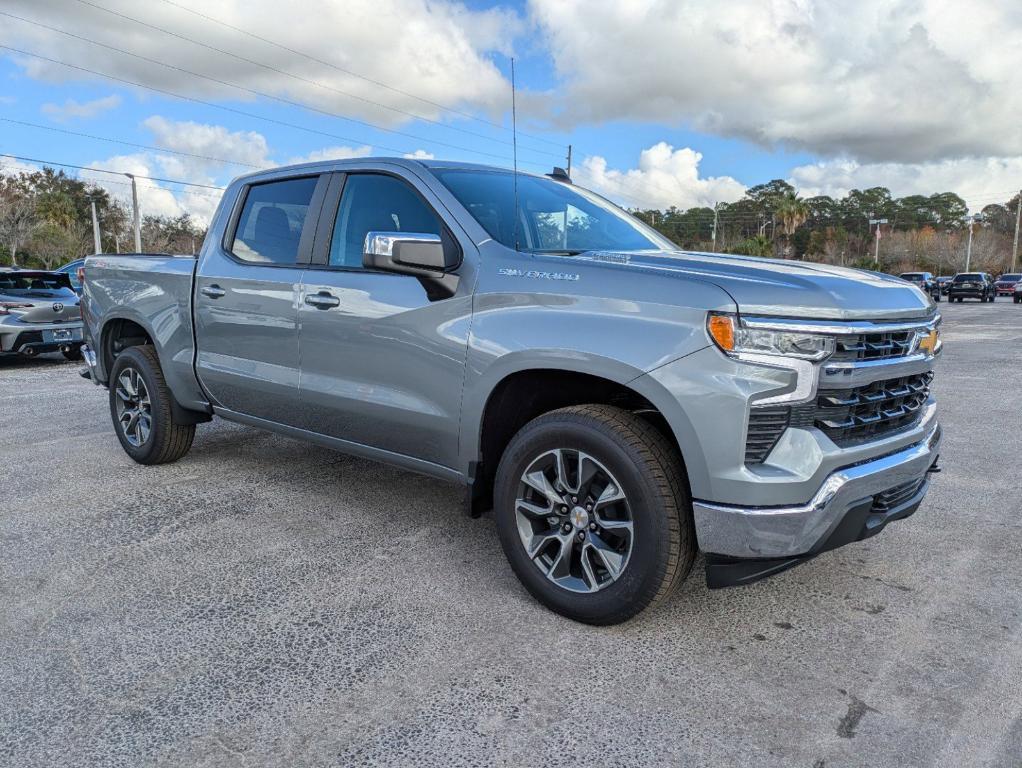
{"x":320,"y":166}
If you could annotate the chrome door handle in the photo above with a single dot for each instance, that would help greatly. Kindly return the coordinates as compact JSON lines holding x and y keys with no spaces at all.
{"x":322,"y":300}
{"x":213,"y":291}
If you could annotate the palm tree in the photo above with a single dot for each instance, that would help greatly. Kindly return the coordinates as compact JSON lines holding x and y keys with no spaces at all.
{"x":793,"y":212}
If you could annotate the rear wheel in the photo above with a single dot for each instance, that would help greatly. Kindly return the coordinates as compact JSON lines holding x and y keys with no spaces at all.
{"x":140,"y":406}
{"x":593,"y":512}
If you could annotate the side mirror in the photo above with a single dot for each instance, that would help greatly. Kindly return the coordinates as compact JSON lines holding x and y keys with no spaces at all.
{"x":408,"y":253}
{"x":420,"y":255}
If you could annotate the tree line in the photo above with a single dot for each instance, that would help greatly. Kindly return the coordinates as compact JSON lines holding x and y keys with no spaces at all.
{"x":46,"y":221}
{"x":921,"y":232}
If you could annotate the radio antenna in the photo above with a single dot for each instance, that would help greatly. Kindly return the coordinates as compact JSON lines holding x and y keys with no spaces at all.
{"x":514,"y":149}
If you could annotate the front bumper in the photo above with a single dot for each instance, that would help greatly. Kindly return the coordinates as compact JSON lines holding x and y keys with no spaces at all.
{"x":744,"y":544}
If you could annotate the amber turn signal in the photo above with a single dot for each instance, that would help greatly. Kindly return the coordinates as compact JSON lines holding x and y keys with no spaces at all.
{"x":722,"y":331}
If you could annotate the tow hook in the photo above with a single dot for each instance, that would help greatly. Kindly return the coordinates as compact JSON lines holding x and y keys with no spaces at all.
{"x":934,"y":467}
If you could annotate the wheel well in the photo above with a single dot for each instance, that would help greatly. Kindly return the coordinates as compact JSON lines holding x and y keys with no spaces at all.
{"x":118,"y":335}
{"x":522,"y":396}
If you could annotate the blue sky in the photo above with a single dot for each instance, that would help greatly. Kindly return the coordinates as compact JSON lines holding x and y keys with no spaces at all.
{"x":665,"y":103}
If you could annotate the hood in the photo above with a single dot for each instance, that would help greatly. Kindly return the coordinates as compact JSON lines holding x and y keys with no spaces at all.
{"x":785,"y":288}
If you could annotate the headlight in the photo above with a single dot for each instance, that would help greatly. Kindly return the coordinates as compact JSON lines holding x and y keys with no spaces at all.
{"x":728,"y":334}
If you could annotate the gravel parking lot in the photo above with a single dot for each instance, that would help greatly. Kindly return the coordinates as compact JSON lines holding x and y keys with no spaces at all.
{"x":264,"y":602}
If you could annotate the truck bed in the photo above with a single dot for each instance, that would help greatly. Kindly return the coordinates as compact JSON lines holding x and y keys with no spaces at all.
{"x":154,"y":291}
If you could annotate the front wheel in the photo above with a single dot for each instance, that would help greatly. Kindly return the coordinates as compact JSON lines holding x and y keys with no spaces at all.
{"x":140,"y":406}
{"x":593,"y":512}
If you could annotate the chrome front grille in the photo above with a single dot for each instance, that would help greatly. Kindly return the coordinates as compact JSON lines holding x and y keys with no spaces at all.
{"x":849,"y":417}
{"x":870,"y":412}
{"x":873,"y":346}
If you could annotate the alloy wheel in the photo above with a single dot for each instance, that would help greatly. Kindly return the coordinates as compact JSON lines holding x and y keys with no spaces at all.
{"x":574,"y":520}
{"x":134,"y":411}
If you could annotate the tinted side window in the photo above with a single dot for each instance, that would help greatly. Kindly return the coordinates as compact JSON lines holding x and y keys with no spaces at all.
{"x":374,"y":202}
{"x":271,"y":221}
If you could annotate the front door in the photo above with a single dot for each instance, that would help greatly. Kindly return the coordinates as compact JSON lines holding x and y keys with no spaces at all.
{"x":382,"y":362}
{"x":246,"y":300}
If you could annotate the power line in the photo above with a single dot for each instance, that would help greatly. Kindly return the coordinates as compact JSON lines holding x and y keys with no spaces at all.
{"x":301,"y":78}
{"x":253,"y":91}
{"x":107,"y":170}
{"x":343,"y":70}
{"x":214,"y":105}
{"x":129,"y":143}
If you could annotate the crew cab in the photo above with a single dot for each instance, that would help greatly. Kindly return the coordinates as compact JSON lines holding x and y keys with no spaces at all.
{"x":616,"y":402}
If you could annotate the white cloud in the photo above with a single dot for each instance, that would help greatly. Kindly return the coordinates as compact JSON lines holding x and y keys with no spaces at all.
{"x":244,"y":148}
{"x":877,"y":80}
{"x":980,"y":181}
{"x":332,"y":153}
{"x":12,"y":167}
{"x":72,"y":109}
{"x":666,"y":176}
{"x":438,"y":50}
{"x":420,"y":154}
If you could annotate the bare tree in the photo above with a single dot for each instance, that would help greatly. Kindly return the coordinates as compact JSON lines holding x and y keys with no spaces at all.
{"x":17,"y":219}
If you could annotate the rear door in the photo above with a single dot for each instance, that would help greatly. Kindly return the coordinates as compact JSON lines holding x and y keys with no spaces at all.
{"x":383,"y":355}
{"x":246,"y":299}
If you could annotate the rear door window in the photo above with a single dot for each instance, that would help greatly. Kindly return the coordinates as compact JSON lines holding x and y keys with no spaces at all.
{"x":271,"y":221}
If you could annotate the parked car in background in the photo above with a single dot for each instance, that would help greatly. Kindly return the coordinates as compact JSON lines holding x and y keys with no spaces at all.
{"x":925,"y":281}
{"x":972,"y":285}
{"x":71,"y":270}
{"x":616,"y":402}
{"x":1017,"y":293}
{"x":944,"y":281}
{"x":38,"y":313}
{"x":1005,"y":284}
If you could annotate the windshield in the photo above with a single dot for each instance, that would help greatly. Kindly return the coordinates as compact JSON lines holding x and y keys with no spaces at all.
{"x":1010,"y":278}
{"x":969,"y":277}
{"x":555,"y":217}
{"x":44,"y":285}
{"x":916,"y":276}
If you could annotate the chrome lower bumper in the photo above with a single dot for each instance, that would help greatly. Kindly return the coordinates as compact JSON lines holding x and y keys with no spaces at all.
{"x":774,"y":532}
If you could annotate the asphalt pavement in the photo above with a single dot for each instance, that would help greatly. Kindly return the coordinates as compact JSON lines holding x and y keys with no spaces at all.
{"x":266,"y":602}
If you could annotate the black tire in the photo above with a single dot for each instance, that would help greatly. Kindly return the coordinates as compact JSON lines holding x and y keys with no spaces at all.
{"x":1017,"y":299}
{"x":166,"y":441}
{"x":75,"y":353}
{"x":649,"y":471}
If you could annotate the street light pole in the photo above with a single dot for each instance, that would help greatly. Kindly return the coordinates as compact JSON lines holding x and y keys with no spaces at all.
{"x":876,"y":252}
{"x":97,"y":241}
{"x":968,"y":250}
{"x":136,"y":224}
{"x":713,"y":236}
{"x":1018,"y":215}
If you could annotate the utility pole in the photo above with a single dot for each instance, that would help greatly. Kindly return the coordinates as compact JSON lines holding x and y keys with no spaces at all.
{"x":568,"y":170}
{"x":713,"y":236}
{"x":876,"y":252}
{"x":968,"y":250}
{"x":1018,"y":215}
{"x":136,"y":224}
{"x":98,"y":243}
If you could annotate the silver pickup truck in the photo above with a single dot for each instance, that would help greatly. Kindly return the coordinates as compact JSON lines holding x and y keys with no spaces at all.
{"x":616,"y":402}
